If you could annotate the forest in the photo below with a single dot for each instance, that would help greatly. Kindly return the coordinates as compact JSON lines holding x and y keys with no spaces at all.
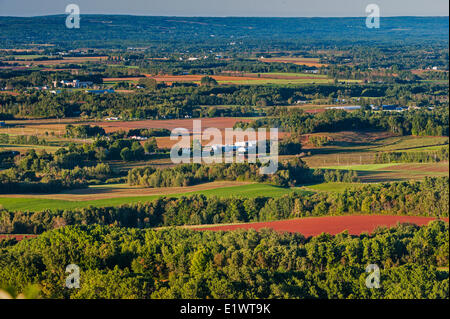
{"x":179,"y":263}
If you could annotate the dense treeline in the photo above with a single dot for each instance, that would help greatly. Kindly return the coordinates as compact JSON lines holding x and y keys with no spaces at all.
{"x":73,"y":166}
{"x":21,"y":79}
{"x":15,"y":180}
{"x":179,"y":263}
{"x":290,"y":173}
{"x":418,"y":123}
{"x":427,"y":198}
{"x":183,"y":100}
{"x":16,"y":186}
{"x":164,"y":103}
{"x":212,"y":66}
{"x":44,"y":172}
{"x":7,"y":158}
{"x":413,"y":157}
{"x":152,"y":132}
{"x":84,"y":131}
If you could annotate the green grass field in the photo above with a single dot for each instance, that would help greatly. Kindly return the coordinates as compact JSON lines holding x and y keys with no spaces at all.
{"x":324,"y":76}
{"x":28,"y":56}
{"x":39,"y":204}
{"x":267,"y":81}
{"x":411,"y":143}
{"x":332,"y":187}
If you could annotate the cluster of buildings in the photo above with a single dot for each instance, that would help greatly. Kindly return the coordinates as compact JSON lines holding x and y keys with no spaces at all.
{"x":191,"y":59}
{"x":388,"y":108}
{"x":139,"y":138}
{"x":347,"y":108}
{"x":238,"y":147}
{"x":104,"y":91}
{"x":74,"y":83}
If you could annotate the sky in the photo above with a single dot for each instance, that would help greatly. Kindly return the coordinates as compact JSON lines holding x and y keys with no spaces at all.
{"x":220,"y":8}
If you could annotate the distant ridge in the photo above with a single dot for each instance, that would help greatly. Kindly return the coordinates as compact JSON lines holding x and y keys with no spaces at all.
{"x":122,"y":31}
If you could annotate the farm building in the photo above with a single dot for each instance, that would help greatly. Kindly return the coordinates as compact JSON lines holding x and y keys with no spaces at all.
{"x":100,"y":91}
{"x":347,"y":108}
{"x":391,"y":108}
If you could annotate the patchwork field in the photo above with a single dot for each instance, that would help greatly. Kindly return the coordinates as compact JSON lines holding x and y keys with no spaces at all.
{"x":236,"y":78}
{"x":114,"y":195}
{"x":372,"y":173}
{"x":217,"y":122}
{"x":356,"y":148}
{"x":57,"y":127}
{"x":299,"y":61}
{"x":65,"y":60}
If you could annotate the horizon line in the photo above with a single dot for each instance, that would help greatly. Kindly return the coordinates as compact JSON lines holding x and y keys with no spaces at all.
{"x":216,"y":16}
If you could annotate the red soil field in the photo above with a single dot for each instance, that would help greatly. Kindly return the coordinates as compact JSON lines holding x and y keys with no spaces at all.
{"x":17,"y":237}
{"x":65,"y":60}
{"x":220,"y":123}
{"x":284,"y":77}
{"x":421,"y":71}
{"x":333,"y":225}
{"x":196,"y":78}
{"x":123,"y":79}
{"x":298,"y":61}
{"x":9,"y":93}
{"x":217,"y":122}
{"x":166,"y":142}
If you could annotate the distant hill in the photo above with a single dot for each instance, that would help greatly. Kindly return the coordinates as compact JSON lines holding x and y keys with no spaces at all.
{"x":130,"y":31}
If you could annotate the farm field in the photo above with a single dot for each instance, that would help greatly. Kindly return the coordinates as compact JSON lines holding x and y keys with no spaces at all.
{"x":357,"y":151}
{"x":64,"y":60}
{"x":38,"y":127}
{"x":217,"y":122}
{"x":114,"y":195}
{"x":57,"y":127}
{"x":396,"y":172}
{"x":288,"y":75}
{"x":24,"y":148}
{"x":299,"y":61}
{"x":364,"y":141}
{"x":359,"y":147}
{"x":313,"y":226}
{"x":411,"y":143}
{"x":276,"y":78}
{"x":18,"y":237}
{"x":331,"y":187}
{"x":280,"y":81}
